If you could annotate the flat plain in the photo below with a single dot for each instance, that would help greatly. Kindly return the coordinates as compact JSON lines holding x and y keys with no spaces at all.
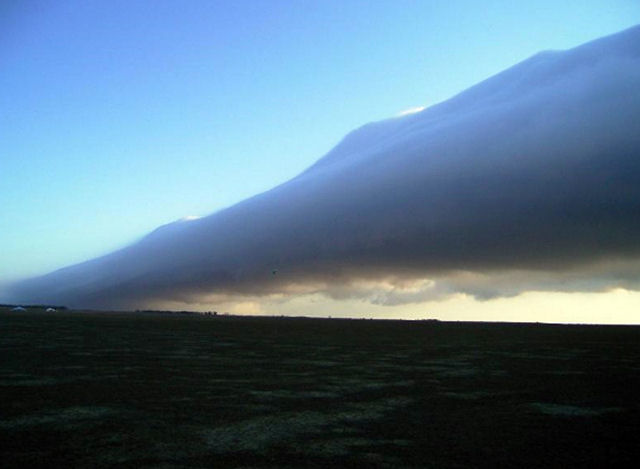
{"x":97,"y":389}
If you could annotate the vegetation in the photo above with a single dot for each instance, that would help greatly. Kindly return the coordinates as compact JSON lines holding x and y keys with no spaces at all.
{"x":158,"y":390}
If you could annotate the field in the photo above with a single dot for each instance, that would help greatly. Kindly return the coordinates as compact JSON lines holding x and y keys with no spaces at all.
{"x":153,"y":390}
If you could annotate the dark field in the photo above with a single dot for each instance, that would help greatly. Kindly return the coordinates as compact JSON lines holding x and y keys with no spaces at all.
{"x":142,"y":390}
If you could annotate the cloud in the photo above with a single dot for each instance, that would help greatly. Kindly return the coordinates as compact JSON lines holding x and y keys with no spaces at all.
{"x":527,"y":181}
{"x":246,"y":307}
{"x":412,"y":110}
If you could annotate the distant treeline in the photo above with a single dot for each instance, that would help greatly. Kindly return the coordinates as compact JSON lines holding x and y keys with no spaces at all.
{"x":35,"y":306}
{"x":160,"y":311}
{"x":156,"y":311}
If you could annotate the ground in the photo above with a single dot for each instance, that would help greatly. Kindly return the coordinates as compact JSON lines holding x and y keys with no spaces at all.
{"x":82,"y":389}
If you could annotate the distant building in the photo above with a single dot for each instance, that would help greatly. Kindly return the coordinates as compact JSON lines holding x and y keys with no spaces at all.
{"x":50,"y":310}
{"x":18,"y":308}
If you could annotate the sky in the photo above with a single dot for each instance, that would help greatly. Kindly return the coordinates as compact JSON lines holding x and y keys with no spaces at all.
{"x":118,"y":117}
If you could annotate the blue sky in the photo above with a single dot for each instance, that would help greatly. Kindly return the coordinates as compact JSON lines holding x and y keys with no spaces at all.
{"x":119,"y":116}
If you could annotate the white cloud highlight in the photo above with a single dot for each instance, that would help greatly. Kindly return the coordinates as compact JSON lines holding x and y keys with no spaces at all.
{"x":412,"y":110}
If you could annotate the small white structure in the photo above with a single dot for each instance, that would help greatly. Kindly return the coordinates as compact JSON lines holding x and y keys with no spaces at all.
{"x":50,"y":310}
{"x":18,"y":308}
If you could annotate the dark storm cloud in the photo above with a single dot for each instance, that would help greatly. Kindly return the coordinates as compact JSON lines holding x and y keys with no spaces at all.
{"x":529,"y":180}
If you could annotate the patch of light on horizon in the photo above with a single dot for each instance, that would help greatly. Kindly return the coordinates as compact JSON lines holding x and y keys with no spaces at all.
{"x":412,"y":110}
{"x":190,"y":218}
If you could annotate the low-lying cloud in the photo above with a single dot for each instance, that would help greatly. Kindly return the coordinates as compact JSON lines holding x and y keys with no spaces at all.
{"x":527,"y":181}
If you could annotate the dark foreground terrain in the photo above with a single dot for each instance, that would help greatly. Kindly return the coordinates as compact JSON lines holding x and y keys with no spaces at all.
{"x":143,"y":390}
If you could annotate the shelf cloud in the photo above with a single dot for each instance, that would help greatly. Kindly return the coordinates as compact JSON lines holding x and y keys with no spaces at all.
{"x":526,"y":181}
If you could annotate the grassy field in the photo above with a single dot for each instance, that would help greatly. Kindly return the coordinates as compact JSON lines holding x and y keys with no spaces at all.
{"x":152,"y":390}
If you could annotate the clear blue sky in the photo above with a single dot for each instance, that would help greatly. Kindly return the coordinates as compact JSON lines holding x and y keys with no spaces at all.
{"x":119,"y":116}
